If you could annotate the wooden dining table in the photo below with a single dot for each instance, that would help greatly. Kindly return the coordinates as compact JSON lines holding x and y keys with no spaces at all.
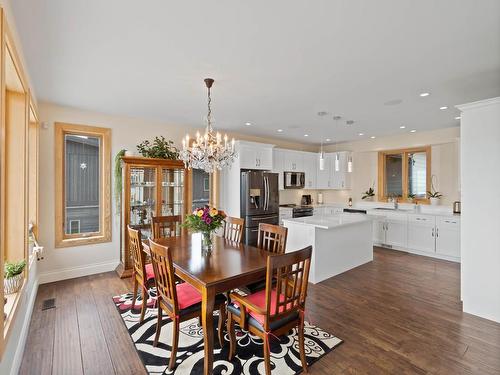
{"x":228,"y":266}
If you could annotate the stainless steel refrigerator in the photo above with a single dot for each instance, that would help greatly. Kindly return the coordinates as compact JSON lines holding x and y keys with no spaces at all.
{"x":259,"y":202}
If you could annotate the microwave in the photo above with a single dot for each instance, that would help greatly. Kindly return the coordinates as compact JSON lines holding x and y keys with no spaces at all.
{"x":294,"y":180}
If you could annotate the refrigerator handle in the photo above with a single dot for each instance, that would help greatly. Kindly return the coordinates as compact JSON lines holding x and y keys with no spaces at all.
{"x":266,"y":191}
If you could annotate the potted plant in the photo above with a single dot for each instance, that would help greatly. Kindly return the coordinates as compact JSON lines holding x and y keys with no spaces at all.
{"x":160,"y":148}
{"x":434,"y":197}
{"x":410,"y":197}
{"x":205,"y":220}
{"x":369,"y":194}
{"x":13,"y":276}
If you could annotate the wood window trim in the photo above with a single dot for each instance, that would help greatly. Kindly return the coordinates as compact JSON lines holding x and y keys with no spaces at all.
{"x":382,"y":196}
{"x":104,"y":235}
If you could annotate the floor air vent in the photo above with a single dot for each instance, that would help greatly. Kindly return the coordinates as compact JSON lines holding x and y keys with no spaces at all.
{"x":49,"y":304}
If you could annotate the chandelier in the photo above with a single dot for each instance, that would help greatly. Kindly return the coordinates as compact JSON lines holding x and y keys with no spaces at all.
{"x":209,"y":151}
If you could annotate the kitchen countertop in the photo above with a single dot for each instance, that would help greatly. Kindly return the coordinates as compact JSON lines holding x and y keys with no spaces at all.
{"x":332,"y":221}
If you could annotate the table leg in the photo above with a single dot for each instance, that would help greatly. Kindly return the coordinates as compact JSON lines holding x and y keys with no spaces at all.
{"x":207,"y":316}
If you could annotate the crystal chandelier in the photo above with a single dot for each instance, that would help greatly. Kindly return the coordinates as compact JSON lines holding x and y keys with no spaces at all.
{"x":209,"y":151}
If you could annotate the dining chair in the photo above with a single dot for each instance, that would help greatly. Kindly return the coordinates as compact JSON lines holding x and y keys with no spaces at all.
{"x":276,"y":309}
{"x":180,"y":302}
{"x":165,"y":226}
{"x":233,"y":228}
{"x":142,"y":272}
{"x":271,"y":238}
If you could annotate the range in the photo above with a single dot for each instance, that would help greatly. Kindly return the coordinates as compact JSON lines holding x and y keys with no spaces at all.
{"x":299,"y":211}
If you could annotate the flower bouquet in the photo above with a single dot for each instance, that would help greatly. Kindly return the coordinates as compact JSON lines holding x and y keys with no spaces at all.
{"x":205,"y":220}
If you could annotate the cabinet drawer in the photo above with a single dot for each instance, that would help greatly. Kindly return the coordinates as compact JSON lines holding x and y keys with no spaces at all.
{"x":422,"y":219}
{"x":448,"y":222}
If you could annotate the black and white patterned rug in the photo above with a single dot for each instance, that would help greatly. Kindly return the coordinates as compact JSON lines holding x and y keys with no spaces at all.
{"x":285,"y":358}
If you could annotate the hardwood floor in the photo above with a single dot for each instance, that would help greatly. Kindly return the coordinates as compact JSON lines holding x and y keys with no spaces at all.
{"x":400,"y":314}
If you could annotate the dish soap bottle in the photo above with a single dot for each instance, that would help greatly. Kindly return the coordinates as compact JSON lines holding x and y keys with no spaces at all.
{"x":350,"y":202}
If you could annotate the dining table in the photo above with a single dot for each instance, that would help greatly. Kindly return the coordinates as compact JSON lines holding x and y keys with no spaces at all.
{"x":229,"y":265}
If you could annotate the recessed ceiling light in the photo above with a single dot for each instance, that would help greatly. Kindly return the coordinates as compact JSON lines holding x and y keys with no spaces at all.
{"x":306,"y":135}
{"x":360,"y":134}
{"x":328,"y":139}
{"x":412,"y":131}
{"x":443,"y":108}
{"x":402,"y":127}
{"x":279,"y":130}
{"x":372,"y":137}
{"x":458,"y":118}
{"x":424,"y":94}
{"x":248,"y":123}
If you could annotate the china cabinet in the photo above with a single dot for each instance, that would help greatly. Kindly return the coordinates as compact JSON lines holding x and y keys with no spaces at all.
{"x":151,"y":187}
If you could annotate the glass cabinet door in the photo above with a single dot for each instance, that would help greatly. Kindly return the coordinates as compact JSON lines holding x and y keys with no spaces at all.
{"x":142,"y":198}
{"x":172,"y":193}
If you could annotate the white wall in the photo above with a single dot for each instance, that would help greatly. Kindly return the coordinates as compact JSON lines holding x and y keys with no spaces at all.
{"x":480,"y":229}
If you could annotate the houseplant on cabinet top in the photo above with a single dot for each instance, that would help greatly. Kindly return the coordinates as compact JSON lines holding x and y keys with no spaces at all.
{"x":433,"y":194}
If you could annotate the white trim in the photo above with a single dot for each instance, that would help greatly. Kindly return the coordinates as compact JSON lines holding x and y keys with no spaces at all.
{"x":478,"y":104}
{"x":18,"y":355}
{"x":71,"y":273}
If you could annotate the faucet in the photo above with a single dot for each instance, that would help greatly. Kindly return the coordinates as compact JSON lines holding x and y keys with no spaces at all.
{"x":395,"y":201}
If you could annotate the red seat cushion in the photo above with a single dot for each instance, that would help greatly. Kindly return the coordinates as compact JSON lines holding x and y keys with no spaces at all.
{"x":150,"y":274}
{"x":187,"y":295}
{"x":259,"y":299}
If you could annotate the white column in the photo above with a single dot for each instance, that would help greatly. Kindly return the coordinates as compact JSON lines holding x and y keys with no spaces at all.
{"x":480,"y":229}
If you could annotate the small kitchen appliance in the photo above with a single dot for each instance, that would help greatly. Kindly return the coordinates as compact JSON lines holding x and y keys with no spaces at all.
{"x":306,"y":200}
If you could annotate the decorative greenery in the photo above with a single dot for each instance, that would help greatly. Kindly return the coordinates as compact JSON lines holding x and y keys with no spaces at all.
{"x":204,"y":219}
{"x":434,"y":194}
{"x":118,"y":178}
{"x":160,"y":148}
{"x":411,"y":196}
{"x":14,"y":269}
{"x":369,"y":193}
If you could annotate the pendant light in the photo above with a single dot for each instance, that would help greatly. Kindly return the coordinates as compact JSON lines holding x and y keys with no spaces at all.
{"x":321,"y":158}
{"x":321,"y":152}
{"x":349,"y":164}
{"x":337,"y":162}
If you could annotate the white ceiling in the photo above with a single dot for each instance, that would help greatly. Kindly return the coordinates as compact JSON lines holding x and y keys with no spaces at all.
{"x":276,"y":63}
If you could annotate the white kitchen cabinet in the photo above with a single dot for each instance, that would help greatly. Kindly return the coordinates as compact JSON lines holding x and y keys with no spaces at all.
{"x":310,"y":161}
{"x":379,"y":231}
{"x":323,"y":179}
{"x":293,"y":161}
{"x":421,"y":232}
{"x":390,"y":230}
{"x":278,"y":166}
{"x":448,"y":236}
{"x":255,"y":155}
{"x":341,"y":178}
{"x":396,"y":231}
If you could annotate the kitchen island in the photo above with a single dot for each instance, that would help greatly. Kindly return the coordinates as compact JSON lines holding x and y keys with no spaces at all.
{"x":340,"y":242}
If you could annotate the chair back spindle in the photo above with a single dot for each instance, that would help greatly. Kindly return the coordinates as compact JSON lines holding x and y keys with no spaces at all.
{"x":272,"y":238}
{"x":164,"y":275}
{"x":165,"y":226}
{"x":138,"y":255}
{"x":291,"y":274}
{"x":233,"y":228}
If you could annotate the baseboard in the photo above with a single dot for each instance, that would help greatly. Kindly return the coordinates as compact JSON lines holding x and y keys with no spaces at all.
{"x":71,"y":273}
{"x":18,"y":356}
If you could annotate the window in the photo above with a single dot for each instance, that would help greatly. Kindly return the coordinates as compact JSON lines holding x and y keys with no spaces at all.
{"x":405,"y":173}
{"x":83,"y":191}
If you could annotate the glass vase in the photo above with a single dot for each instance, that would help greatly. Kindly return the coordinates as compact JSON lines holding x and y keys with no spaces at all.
{"x":206,"y":241}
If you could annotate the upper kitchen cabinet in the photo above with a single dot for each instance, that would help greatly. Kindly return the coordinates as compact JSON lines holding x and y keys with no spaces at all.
{"x":293,"y":161}
{"x":341,"y":170}
{"x":278,"y":156}
{"x":311,"y":165}
{"x":254,"y":155}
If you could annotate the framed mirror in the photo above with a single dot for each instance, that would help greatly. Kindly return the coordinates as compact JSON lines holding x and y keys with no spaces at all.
{"x":404,"y":173}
